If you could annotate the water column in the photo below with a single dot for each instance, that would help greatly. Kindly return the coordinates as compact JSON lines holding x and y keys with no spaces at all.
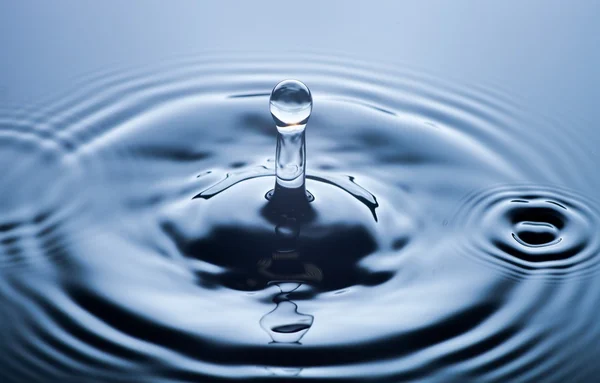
{"x":290,"y":106}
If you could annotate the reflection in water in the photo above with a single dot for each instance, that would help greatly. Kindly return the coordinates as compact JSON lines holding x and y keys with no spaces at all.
{"x":285,"y":324}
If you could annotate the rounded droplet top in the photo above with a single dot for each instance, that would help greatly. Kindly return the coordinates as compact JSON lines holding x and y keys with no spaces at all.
{"x":290,"y":104}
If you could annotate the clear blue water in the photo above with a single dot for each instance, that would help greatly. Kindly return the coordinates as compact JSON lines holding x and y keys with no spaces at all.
{"x":451,"y":233}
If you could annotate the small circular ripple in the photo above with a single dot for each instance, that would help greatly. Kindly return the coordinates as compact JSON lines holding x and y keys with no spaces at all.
{"x":531,"y":230}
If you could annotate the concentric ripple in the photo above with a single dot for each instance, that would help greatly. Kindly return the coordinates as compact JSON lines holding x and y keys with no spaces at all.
{"x":151,"y":286}
{"x":530,"y":230}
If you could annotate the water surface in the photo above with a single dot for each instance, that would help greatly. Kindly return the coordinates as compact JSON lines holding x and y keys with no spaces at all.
{"x":462,"y":245}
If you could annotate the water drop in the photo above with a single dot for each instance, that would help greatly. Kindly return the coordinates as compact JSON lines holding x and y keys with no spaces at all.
{"x":290,"y":105}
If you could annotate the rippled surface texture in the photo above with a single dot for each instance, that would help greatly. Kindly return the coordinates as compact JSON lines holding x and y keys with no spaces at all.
{"x":475,"y":260}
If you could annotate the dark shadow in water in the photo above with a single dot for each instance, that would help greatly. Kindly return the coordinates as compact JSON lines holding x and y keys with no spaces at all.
{"x":252,"y":257}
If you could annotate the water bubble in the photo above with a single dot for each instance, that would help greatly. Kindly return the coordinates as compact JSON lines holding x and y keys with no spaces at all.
{"x":290,"y":104}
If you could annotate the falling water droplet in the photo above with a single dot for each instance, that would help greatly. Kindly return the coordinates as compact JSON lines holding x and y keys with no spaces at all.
{"x":290,"y":105}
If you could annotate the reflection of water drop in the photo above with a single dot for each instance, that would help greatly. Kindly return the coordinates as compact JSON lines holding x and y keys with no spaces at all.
{"x":291,"y":105}
{"x":285,"y":324}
